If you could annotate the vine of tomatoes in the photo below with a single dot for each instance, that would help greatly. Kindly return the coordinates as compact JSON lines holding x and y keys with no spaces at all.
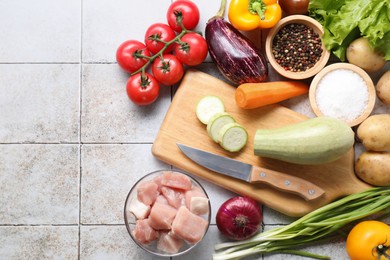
{"x":167,"y":48}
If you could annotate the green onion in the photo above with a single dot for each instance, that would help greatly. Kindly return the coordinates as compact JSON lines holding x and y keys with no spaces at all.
{"x":321,"y":224}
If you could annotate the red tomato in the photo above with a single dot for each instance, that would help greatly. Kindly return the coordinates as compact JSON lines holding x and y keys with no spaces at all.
{"x":128,"y":53}
{"x":155,"y":34}
{"x":168,"y":70}
{"x":142,"y":90}
{"x":183,"y":10}
{"x":294,"y":6}
{"x":193,"y":51}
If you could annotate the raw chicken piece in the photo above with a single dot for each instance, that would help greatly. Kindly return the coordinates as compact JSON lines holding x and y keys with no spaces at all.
{"x":139,"y":209}
{"x":158,"y":180}
{"x":189,"y":226}
{"x":176,"y":180}
{"x":199,"y":205}
{"x":161,"y":199}
{"x":143,"y":232}
{"x":147,"y":192}
{"x":169,"y":243}
{"x":194,"y":192}
{"x":175,"y":197}
{"x":161,"y":216}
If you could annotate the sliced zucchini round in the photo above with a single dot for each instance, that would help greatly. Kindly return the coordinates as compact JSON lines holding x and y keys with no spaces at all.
{"x":208,"y":106}
{"x":232,"y":137}
{"x":216,"y":122}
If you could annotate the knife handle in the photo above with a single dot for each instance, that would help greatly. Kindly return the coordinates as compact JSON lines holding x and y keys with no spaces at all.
{"x":286,"y":182}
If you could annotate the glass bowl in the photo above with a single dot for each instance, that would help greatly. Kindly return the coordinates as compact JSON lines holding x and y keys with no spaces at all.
{"x":190,"y":213}
{"x":300,"y":20}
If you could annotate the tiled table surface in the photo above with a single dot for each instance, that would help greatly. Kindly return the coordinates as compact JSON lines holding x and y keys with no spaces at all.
{"x":72,"y":144}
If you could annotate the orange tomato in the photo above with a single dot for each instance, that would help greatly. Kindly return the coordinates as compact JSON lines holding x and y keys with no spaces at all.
{"x":369,"y":240}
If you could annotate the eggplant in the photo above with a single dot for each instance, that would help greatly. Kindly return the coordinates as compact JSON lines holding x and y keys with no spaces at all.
{"x":236,"y":57}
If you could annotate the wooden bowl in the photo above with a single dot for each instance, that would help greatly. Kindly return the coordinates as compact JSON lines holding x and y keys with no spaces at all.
{"x":353,"y":98}
{"x":299,"y":19}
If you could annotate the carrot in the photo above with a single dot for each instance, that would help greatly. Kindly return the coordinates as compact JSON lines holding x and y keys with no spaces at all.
{"x":253,"y":95}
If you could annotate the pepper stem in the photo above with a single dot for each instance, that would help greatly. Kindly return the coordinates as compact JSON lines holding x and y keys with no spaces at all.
{"x":257,"y":7}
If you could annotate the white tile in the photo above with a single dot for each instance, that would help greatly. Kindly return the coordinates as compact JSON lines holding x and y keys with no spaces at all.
{"x":39,"y":184}
{"x":110,"y":242}
{"x":108,"y":173}
{"x":108,"y":23}
{"x":217,"y":195}
{"x":39,"y":242}
{"x":40,"y":31}
{"x":205,"y":248}
{"x":39,"y":102}
{"x":108,"y":115}
{"x":272,"y":217}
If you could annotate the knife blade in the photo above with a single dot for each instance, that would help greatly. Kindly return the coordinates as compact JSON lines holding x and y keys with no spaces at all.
{"x":253,"y":174}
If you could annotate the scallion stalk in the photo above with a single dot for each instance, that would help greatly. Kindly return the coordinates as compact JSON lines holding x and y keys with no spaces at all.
{"x":321,"y":224}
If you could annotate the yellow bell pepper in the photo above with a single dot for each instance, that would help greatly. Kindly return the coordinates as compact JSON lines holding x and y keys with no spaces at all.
{"x":247,"y":15}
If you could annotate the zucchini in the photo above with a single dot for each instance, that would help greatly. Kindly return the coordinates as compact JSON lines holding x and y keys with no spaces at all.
{"x":232,"y":137}
{"x":314,"y":141}
{"x":216,"y":122}
{"x":208,"y":106}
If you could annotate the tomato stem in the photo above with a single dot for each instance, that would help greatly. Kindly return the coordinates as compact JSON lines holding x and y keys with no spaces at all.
{"x":138,"y":54}
{"x":179,"y":19}
{"x":381,"y":250}
{"x":144,"y":80}
{"x":156,"y":37}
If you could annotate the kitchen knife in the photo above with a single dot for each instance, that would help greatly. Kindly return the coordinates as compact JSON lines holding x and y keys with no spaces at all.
{"x":253,"y":174}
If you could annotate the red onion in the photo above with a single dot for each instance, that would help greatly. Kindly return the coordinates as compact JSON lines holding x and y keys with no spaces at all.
{"x":239,"y":218}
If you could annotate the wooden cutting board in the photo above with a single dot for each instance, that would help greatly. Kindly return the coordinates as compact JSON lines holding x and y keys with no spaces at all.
{"x":182,"y":126}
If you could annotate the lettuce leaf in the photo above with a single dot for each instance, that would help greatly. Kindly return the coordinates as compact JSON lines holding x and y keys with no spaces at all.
{"x":346,"y":20}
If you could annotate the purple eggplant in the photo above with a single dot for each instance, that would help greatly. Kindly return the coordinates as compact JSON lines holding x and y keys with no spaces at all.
{"x":236,"y":57}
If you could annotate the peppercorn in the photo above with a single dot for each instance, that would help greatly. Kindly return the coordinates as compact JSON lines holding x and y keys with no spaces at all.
{"x":296,"y":47}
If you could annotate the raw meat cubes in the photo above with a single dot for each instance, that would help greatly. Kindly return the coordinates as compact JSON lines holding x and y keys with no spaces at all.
{"x":161,"y":216}
{"x":189,"y":226}
{"x":171,"y":211}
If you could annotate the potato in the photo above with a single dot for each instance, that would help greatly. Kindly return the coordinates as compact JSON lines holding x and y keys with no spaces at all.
{"x":360,"y":53}
{"x":374,"y":168}
{"x":383,"y":88}
{"x":374,"y":132}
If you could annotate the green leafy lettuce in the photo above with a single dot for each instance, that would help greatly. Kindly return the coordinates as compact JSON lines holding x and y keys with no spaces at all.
{"x":346,"y":20}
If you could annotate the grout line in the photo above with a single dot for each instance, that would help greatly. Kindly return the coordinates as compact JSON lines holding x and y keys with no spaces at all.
{"x":80,"y":115}
{"x":37,"y":62}
{"x":102,"y":224}
{"x":75,"y":143}
{"x":70,"y":62}
{"x":38,"y":225}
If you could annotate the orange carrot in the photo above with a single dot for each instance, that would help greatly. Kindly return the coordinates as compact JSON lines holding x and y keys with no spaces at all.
{"x":253,"y":95}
